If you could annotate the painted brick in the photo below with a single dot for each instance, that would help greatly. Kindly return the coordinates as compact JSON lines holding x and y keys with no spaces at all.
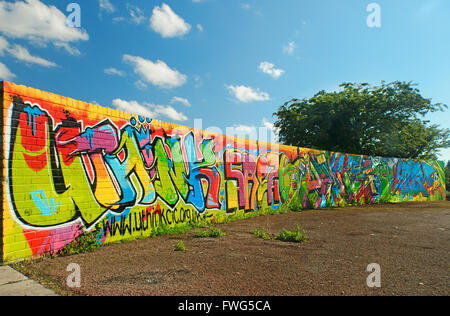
{"x":57,"y":192}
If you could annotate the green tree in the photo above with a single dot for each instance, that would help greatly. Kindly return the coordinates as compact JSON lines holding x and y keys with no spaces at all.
{"x":386,"y":120}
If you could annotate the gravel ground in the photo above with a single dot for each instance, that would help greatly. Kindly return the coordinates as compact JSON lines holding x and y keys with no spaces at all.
{"x":410,"y":242}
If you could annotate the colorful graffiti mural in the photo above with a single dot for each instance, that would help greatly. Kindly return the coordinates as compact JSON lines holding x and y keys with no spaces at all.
{"x":72,"y":167}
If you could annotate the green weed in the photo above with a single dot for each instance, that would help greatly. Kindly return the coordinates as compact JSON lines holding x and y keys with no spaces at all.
{"x":212,"y":232}
{"x":180,"y":246}
{"x":86,"y":242}
{"x":297,"y":235}
{"x":260,"y":233}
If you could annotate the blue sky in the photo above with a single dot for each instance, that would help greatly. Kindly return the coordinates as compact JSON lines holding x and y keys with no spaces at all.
{"x":231,"y":63}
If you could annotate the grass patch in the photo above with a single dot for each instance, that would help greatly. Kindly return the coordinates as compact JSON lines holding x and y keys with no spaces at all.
{"x":212,"y":232}
{"x":297,"y":235}
{"x":261,"y":233}
{"x":180,"y":246}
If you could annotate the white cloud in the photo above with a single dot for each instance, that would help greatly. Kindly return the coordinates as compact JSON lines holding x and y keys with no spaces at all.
{"x":157,"y":73}
{"x":242,"y":131}
{"x":270,"y":69}
{"x":248,"y":7}
{"x":137,"y":15}
{"x":183,"y":101}
{"x":37,"y":22}
{"x":106,"y":5}
{"x":271,"y":127}
{"x":132,"y":107}
{"x":289,"y":48}
{"x":21,"y":53}
{"x":200,"y":27}
{"x":444,"y":155}
{"x":114,"y":72}
{"x":5,"y":73}
{"x":268,"y":124}
{"x":118,"y":19}
{"x":3,"y":45}
{"x":167,"y":23}
{"x":245,"y":129}
{"x":265,"y":132}
{"x":247,"y":94}
{"x":169,"y":112}
{"x":197,"y":81}
{"x":149,"y":110}
{"x":70,"y":49}
{"x":140,"y":85}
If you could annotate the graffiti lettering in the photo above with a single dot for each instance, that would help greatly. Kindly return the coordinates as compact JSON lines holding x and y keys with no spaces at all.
{"x":131,"y":176}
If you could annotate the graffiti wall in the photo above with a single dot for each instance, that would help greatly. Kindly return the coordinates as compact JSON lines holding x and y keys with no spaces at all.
{"x":70,"y":167}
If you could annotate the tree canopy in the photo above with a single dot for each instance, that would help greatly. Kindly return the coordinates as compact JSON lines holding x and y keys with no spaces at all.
{"x":386,"y":120}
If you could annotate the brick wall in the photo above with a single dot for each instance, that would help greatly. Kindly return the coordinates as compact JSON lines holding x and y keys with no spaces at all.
{"x":71,"y":167}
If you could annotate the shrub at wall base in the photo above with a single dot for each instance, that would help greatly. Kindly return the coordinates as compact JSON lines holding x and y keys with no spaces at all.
{"x":71,"y":168}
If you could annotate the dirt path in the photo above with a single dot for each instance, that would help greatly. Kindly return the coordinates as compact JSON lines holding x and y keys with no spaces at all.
{"x":409,"y":241}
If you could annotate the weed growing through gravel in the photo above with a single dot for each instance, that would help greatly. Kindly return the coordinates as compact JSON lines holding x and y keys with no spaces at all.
{"x":86,"y":242}
{"x":260,"y":233}
{"x":180,"y":246}
{"x":212,"y":232}
{"x":297,"y":235}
